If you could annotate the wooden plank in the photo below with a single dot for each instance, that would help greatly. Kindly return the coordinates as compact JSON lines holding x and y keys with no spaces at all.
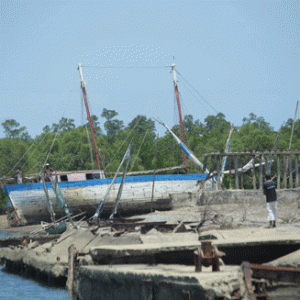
{"x":290,"y":171}
{"x":219,"y":172}
{"x":278,"y":172}
{"x":242,"y":173}
{"x":260,"y":172}
{"x":236,"y":172}
{"x":150,"y":171}
{"x":254,"y":174}
{"x":284,"y":167}
{"x":297,"y":170}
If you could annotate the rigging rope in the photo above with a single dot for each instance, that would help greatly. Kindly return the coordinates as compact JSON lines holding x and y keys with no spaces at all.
{"x":41,"y":156}
{"x":138,"y":150}
{"x":40,"y":141}
{"x":51,"y":148}
{"x":90,"y":146}
{"x":196,"y":91}
{"x":195,"y":96}
{"x":137,"y":122}
{"x":107,"y":67}
{"x":21,"y":158}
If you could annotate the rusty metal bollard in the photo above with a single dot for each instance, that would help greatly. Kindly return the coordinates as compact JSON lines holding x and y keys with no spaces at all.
{"x":207,"y":255}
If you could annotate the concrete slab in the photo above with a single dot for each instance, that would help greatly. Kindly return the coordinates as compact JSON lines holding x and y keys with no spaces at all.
{"x":290,"y":260}
{"x":254,"y":236}
{"x":39,"y":261}
{"x":163,"y":238}
{"x":163,"y":281}
{"x":142,"y":249}
{"x":126,"y":239}
{"x":79,"y":238}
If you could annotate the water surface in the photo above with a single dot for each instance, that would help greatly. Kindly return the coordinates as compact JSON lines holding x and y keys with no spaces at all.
{"x":14,"y":287}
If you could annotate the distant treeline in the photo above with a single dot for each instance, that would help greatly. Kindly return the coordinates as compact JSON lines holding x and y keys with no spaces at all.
{"x":67,"y":147}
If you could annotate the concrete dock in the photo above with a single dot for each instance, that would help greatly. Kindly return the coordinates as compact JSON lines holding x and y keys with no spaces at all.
{"x":155,"y":258}
{"x":158,"y":282}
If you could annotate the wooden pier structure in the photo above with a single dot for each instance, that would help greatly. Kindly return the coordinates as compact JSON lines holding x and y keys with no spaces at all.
{"x":283,"y":166}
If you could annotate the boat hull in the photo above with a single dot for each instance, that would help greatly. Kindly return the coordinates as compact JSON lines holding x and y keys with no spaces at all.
{"x":27,"y":202}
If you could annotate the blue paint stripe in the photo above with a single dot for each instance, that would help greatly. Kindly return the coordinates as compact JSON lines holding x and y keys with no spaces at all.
{"x":185,"y":149}
{"x":95,"y":182}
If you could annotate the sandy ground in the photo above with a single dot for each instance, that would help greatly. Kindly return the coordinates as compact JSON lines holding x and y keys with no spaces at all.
{"x":224,"y":216}
{"x":3,"y":222}
{"x":229,"y":215}
{"x":15,"y":230}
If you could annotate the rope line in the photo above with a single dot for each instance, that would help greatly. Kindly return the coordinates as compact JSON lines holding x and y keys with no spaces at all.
{"x":137,"y":122}
{"x":21,"y":158}
{"x":197,"y":92}
{"x":107,"y":67}
{"x":138,"y":150}
{"x":195,"y":96}
{"x":40,"y":141}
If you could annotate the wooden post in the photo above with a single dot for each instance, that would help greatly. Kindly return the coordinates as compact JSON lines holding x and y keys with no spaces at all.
{"x":72,"y":269}
{"x":242,"y":173}
{"x":198,"y":260}
{"x":297,"y":171}
{"x":291,"y":171}
{"x":278,"y":171}
{"x":230,"y":173}
{"x":254,"y":173}
{"x":152,"y":194}
{"x":284,"y":171}
{"x":267,"y":165}
{"x":153,"y":183}
{"x":213,"y":165}
{"x":260,"y":172}
{"x":205,"y":162}
{"x":218,"y":172}
{"x":236,"y":172}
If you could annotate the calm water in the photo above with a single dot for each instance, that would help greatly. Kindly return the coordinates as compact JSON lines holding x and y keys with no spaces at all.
{"x":14,"y":287}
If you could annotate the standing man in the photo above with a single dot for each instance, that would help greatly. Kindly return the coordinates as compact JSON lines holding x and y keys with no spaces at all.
{"x":48,"y":172}
{"x":269,"y":189}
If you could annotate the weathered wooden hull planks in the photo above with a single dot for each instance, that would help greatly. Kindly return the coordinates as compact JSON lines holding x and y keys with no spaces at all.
{"x":28,"y":202}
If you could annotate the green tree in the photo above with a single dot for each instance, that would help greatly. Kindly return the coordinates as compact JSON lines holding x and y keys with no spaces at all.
{"x":47,"y":128}
{"x":66,"y":124}
{"x":258,"y":122}
{"x":216,"y":123}
{"x":112,"y":127}
{"x":13,"y":156}
{"x":191,"y":126}
{"x":141,"y":124}
{"x":96,"y":127}
{"x":12,"y":129}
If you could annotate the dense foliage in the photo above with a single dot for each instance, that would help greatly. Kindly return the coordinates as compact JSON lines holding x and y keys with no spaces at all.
{"x":67,"y":147}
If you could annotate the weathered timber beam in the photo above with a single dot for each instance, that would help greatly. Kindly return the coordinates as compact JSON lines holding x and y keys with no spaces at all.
{"x":248,"y":153}
{"x":151,"y":171}
{"x":283,"y":274}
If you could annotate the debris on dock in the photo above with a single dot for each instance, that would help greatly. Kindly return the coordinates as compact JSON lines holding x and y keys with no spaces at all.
{"x":170,"y":258}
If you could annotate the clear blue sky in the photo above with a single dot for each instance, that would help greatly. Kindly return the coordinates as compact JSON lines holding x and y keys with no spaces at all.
{"x":241,"y":56}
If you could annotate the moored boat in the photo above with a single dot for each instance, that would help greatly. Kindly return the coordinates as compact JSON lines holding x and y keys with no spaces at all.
{"x":27,"y":203}
{"x":83,"y":190}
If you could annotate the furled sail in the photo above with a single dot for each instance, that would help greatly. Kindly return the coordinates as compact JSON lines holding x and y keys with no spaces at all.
{"x":60,"y":199}
{"x":184,"y":148}
{"x":49,"y":202}
{"x":101,"y":203}
{"x":226,"y":151}
{"x":115,"y":211}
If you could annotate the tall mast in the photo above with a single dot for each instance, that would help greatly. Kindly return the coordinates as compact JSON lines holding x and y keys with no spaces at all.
{"x":179,"y":110}
{"x":89,"y":116}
